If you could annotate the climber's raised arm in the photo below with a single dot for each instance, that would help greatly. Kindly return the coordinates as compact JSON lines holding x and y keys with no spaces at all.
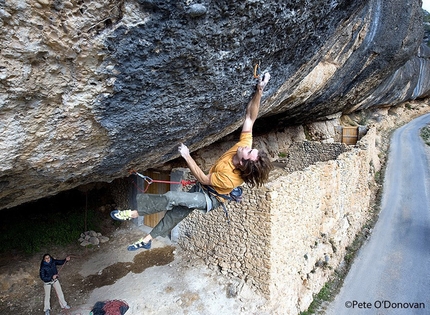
{"x":194,"y":168}
{"x":254,"y":105}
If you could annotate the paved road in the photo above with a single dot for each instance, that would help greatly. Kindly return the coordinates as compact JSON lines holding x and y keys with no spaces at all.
{"x":391,"y":274}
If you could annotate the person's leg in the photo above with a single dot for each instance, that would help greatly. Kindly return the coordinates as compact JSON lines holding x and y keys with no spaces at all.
{"x":173,"y":217}
{"x":166,"y":224}
{"x":169,"y":221}
{"x":153,"y":203}
{"x":183,"y":208}
{"x":47,"y":300}
{"x":60,"y":295}
{"x":178,"y":205}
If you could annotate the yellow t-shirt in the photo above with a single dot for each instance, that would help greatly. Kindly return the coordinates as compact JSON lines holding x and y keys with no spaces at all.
{"x":224,"y":176}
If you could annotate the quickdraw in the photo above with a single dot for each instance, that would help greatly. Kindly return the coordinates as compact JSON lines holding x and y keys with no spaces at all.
{"x":257,"y":70}
{"x":149,"y":181}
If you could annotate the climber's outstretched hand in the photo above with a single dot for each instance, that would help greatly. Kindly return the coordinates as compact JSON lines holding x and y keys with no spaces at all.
{"x":183,"y":150}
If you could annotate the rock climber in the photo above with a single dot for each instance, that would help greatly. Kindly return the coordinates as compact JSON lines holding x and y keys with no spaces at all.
{"x":240,"y":164}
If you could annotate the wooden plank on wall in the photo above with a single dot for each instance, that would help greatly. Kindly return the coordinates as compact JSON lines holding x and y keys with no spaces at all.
{"x":156,"y":188}
{"x":350,"y":135}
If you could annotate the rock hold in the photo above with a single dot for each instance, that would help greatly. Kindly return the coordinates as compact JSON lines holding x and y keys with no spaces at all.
{"x":196,"y":10}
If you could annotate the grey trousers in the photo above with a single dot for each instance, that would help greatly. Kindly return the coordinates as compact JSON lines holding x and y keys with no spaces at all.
{"x":178,"y":204}
{"x":57,"y":287}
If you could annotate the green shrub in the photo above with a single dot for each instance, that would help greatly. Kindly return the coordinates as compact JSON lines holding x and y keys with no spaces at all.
{"x":425,"y":134}
{"x":31,"y":234}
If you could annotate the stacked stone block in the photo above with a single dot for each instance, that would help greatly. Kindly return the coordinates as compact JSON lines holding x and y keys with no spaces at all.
{"x":286,"y":238}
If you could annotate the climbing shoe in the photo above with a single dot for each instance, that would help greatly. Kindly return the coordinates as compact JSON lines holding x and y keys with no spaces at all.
{"x":48,"y":312}
{"x":139,"y":244}
{"x":121,"y":215}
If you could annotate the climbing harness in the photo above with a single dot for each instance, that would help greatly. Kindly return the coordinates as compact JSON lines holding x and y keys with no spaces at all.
{"x":51,"y":282}
{"x":234,"y":195}
{"x":149,"y":181}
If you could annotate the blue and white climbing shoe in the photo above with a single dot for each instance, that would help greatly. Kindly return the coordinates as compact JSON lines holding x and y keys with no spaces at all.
{"x":139,"y":244}
{"x":121,"y":215}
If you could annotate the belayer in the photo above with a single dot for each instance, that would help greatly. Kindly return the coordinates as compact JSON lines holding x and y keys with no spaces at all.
{"x":49,"y":274}
{"x":240,"y":164}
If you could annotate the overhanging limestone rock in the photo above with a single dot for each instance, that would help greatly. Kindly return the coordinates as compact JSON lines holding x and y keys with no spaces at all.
{"x":90,"y":90}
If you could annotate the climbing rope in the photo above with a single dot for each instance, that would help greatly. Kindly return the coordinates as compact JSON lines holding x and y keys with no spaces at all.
{"x":58,"y":272}
{"x":149,"y":181}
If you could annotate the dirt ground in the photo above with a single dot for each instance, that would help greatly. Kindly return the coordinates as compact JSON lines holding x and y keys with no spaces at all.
{"x":162,"y":280}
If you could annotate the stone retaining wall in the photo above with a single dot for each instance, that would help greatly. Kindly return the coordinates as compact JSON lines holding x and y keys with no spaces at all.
{"x":286,"y":238}
{"x":303,"y":154}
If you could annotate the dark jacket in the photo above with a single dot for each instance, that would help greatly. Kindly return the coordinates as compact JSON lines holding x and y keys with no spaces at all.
{"x":47,"y":270}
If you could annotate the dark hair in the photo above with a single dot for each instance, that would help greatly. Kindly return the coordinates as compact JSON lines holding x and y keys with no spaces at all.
{"x":256,"y":173}
{"x":43,"y":259}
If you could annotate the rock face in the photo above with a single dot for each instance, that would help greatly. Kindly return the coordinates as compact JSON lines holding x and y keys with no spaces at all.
{"x":90,"y":89}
